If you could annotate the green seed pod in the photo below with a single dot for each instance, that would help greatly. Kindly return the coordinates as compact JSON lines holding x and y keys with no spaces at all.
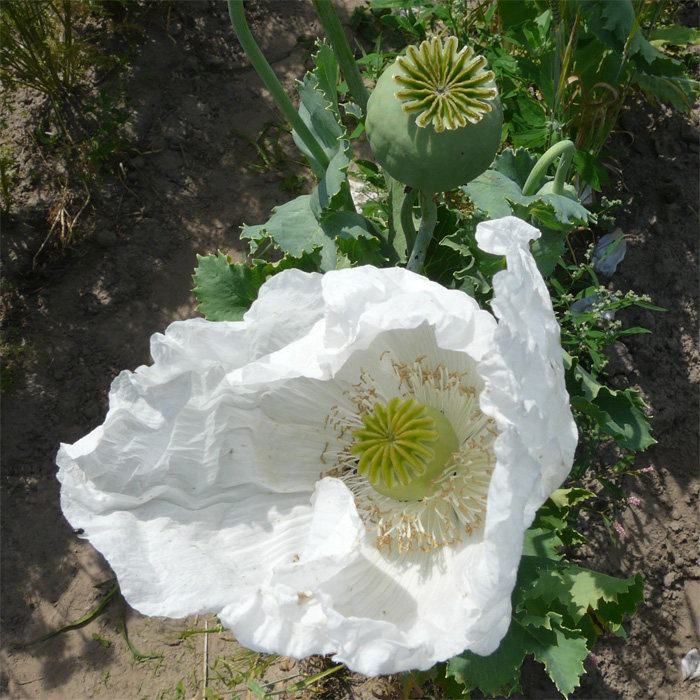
{"x":434,"y":118}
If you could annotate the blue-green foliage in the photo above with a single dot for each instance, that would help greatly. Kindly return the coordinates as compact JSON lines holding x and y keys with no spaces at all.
{"x":559,"y":608}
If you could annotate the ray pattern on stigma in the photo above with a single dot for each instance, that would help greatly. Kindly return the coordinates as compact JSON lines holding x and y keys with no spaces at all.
{"x":403,"y":448}
{"x":448,"y":87}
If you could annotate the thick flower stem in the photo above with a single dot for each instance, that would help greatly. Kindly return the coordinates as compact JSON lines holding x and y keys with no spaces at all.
{"x":343,"y":53}
{"x":240,"y":26}
{"x":405,"y":211}
{"x":425,"y":232}
{"x":566,"y":150}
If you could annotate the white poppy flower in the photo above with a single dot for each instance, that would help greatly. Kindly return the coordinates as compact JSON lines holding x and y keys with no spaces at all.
{"x":348,"y":470}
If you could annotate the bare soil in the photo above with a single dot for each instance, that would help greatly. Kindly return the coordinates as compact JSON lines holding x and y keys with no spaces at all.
{"x":76,"y":312}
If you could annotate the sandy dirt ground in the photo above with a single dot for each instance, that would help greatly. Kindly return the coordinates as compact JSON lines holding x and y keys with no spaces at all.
{"x":75,"y":316}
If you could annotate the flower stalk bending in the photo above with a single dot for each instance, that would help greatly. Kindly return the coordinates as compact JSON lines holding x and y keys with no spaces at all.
{"x":240,"y":27}
{"x":564,"y":149}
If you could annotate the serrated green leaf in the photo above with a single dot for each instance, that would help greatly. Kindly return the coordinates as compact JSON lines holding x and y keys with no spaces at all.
{"x":515,"y":164}
{"x":561,"y":650}
{"x":615,"y":24}
{"x":295,"y":230}
{"x":443,"y":261}
{"x":541,"y":543}
{"x":588,"y":408}
{"x":529,"y":571}
{"x":326,"y":73}
{"x":354,"y":238}
{"x":618,"y":413}
{"x":529,"y":119}
{"x":548,"y":250}
{"x":577,"y":589}
{"x":566,"y":498}
{"x":555,"y":211}
{"x":497,"y":673}
{"x":627,"y":422}
{"x":491,"y":192}
{"x":354,"y":110}
{"x":328,"y":193}
{"x":225,"y":290}
{"x":473,"y":269}
{"x":451,"y":687}
{"x":676,"y":90}
{"x":562,"y":657}
{"x":513,"y":14}
{"x":626,"y":602}
{"x":675,"y":34}
{"x":255,"y":235}
{"x":499,"y":196}
{"x":317,"y":113}
{"x":535,"y":619}
{"x":591,"y":170}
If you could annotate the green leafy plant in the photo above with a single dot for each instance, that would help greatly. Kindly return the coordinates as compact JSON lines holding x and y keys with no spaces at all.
{"x":565,"y":69}
{"x":106,"y":138}
{"x":559,"y":608}
{"x":39,"y":47}
{"x":7,"y":178}
{"x":584,"y":57}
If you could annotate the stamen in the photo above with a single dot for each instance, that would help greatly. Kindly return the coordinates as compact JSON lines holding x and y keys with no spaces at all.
{"x":452,"y":504}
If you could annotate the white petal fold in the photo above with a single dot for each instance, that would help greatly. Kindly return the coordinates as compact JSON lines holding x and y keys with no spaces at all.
{"x":213,"y":485}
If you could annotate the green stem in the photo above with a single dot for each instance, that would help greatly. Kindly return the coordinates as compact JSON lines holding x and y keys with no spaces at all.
{"x":406,"y":215}
{"x":425,"y":233}
{"x":557,"y":77}
{"x":566,"y":150}
{"x":343,"y":53}
{"x":563,"y":169}
{"x":240,"y":26}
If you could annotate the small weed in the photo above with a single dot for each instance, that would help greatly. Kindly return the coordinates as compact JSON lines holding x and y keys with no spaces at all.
{"x":179,"y":692}
{"x":267,"y":144}
{"x":62,"y":221}
{"x":13,"y":354}
{"x":39,"y":48}
{"x":7,"y":178}
{"x":106,"y":138}
{"x":293,"y":183}
{"x":49,"y":46}
{"x":105,"y":680}
{"x":102,"y":640}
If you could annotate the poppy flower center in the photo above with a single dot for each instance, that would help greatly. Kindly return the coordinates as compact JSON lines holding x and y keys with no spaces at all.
{"x":403,"y":448}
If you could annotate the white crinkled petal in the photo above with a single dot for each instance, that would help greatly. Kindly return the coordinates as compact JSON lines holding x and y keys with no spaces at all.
{"x":204,"y":488}
{"x":524,"y":372}
{"x":364,"y":301}
{"x":284,"y":313}
{"x":525,"y":393}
